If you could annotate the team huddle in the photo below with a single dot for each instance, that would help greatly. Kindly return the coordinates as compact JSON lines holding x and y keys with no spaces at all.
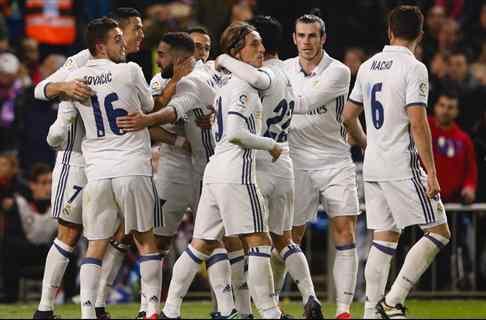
{"x":253,"y":145}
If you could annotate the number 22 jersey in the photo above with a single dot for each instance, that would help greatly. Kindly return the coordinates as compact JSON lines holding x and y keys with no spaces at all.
{"x":120,"y":89}
{"x":386,"y":85}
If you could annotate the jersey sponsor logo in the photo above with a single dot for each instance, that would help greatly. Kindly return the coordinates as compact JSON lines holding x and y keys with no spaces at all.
{"x":318,"y":111}
{"x":423,"y":89}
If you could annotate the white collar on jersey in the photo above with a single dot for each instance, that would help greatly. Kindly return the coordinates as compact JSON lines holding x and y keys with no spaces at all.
{"x":402,"y":49}
{"x":323,"y":64}
{"x":95,"y":62}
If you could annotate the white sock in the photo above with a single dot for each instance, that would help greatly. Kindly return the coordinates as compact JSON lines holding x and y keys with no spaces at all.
{"x":279,"y":272}
{"x":219,"y":273}
{"x":143,"y":299}
{"x":56,"y":264}
{"x":239,"y":282}
{"x":298,"y":268}
{"x":111,"y":266}
{"x":151,"y":276}
{"x":89,"y":277}
{"x":376,"y":274}
{"x":416,"y":263}
{"x":183,"y":273}
{"x":260,"y":281}
{"x":345,"y":273}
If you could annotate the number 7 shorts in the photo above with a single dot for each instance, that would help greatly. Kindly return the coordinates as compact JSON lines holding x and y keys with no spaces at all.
{"x":131,"y":200}
{"x":67,"y":193}
{"x":229,"y":209}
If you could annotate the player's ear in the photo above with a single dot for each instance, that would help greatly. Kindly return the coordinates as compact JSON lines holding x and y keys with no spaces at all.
{"x":323,"y":39}
{"x":419,"y":38}
{"x":294,"y":37}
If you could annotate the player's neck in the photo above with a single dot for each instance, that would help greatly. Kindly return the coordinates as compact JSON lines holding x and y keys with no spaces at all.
{"x":308,"y":65}
{"x":269,"y":56}
{"x":410,"y":45}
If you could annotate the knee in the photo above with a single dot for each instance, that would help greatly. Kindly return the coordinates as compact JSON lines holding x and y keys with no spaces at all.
{"x":69,"y":234}
{"x":344,"y":233}
{"x":281,"y":241}
{"x":256,"y":239}
{"x":298,"y":234}
{"x":164,"y":243}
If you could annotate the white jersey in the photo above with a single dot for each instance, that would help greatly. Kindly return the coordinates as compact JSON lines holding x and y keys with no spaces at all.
{"x":231,"y":163}
{"x":318,"y":139}
{"x":70,"y":152}
{"x":386,"y":85}
{"x":278,"y":103}
{"x":173,"y":159}
{"x":201,"y":140}
{"x":120,"y":89}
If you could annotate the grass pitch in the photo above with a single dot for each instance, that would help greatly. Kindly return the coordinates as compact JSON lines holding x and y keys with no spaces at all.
{"x":421,"y":309}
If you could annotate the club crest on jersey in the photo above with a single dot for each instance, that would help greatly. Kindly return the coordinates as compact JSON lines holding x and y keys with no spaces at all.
{"x":156,"y":86}
{"x":69,"y":63}
{"x":243,"y":99}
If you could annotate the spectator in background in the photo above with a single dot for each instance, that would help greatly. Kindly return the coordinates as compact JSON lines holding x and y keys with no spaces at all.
{"x":477,"y":35}
{"x":453,"y":152}
{"x":435,"y":18}
{"x":353,"y":58}
{"x":449,"y":36}
{"x":11,"y":85}
{"x":29,"y":56}
{"x":33,"y":118}
{"x":479,"y":136}
{"x":29,"y":230}
{"x":470,"y":92}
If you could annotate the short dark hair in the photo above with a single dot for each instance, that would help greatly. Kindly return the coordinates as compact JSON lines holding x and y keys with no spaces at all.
{"x":233,"y":37}
{"x":199,"y":29}
{"x":271,"y":32}
{"x":460,"y":52}
{"x":39,"y":169}
{"x":122,"y":15}
{"x":312,"y":18}
{"x":97,"y":31}
{"x":181,"y":41}
{"x":406,"y":22}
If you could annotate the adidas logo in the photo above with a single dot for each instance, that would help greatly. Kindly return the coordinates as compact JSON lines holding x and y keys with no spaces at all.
{"x":154,"y":299}
{"x":87,"y":304}
{"x":227,"y":289}
{"x":244,"y":286}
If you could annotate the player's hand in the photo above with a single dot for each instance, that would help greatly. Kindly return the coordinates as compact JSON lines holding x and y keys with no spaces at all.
{"x":433,"y":187}
{"x":468,"y":195}
{"x":133,"y":122}
{"x":205,"y":122}
{"x":275,"y":152}
{"x":182,"y":67}
{"x":76,"y":90}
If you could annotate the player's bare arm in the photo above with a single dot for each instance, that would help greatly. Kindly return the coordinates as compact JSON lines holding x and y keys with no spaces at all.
{"x":182,"y":68}
{"x":356,"y":135}
{"x":160,"y":135}
{"x":70,"y":90}
{"x":420,"y":129}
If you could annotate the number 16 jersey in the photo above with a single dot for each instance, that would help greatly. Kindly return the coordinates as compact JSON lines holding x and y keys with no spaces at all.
{"x":120,"y":89}
{"x":386,"y":85}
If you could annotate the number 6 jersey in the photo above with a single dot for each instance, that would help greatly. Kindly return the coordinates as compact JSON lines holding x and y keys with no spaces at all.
{"x":386,"y":85}
{"x":120,"y":89}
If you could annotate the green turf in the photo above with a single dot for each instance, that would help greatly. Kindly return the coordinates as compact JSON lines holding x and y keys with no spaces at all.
{"x":433,"y":309}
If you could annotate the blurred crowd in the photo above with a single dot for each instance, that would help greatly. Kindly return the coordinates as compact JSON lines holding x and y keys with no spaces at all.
{"x":36,"y":37}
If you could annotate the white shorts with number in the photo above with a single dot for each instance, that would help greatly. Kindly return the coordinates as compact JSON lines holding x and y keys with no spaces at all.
{"x":67,"y":193}
{"x":334,"y":188}
{"x":394,"y":205}
{"x":132,"y":200}
{"x":229,"y":209}
{"x":278,"y":194}
{"x":175,"y":198}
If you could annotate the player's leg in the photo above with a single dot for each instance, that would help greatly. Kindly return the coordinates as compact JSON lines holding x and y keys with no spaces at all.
{"x":413,"y":207}
{"x":385,"y":240}
{"x":112,"y":262}
{"x":66,"y":208}
{"x":139,"y":203}
{"x":208,"y":229}
{"x":100,"y":223}
{"x":239,"y":268}
{"x":339,"y":196}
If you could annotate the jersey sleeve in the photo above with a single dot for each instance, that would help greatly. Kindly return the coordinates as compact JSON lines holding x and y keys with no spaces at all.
{"x":260,"y":79}
{"x":72,"y":63}
{"x":356,"y":95}
{"x":335,"y":84}
{"x":143,"y":91}
{"x":58,"y":131}
{"x":191,"y":93}
{"x":417,"y":86}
